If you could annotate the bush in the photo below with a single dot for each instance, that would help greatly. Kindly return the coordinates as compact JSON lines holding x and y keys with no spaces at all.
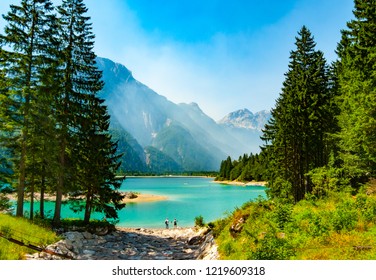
{"x":345,"y":217}
{"x":367,"y":207}
{"x":283,"y":214}
{"x":320,"y":224}
{"x":228,"y":248}
{"x":273,"y":248}
{"x":199,"y":221}
{"x":218,"y":226}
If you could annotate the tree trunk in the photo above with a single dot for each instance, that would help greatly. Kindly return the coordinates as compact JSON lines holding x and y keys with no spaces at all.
{"x":21,"y":179}
{"x":41,"y":203}
{"x":60,"y":185}
{"x":88,"y":207}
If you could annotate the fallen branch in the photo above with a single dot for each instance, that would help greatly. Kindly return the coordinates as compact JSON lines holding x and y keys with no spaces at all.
{"x":34,"y":247}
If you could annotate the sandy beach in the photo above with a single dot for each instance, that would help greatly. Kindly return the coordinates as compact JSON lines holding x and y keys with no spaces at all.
{"x":237,"y":183}
{"x":145,"y":198}
{"x":139,"y":199}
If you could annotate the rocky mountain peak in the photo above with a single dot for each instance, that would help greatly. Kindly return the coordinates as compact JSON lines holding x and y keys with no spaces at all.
{"x":157,"y":135}
{"x":244,"y":118}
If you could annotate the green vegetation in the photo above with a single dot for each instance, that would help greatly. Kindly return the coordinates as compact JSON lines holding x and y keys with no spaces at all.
{"x":321,"y":134}
{"x":246,"y":168}
{"x":22,"y":230}
{"x":199,"y":221}
{"x":339,"y":227}
{"x":298,"y":135}
{"x":319,"y":157}
{"x":54,"y":129}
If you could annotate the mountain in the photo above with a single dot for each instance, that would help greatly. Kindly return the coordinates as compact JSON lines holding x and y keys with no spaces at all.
{"x":246,"y":119}
{"x":157,"y":135}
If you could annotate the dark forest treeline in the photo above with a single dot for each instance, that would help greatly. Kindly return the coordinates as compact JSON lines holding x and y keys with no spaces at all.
{"x":54,"y":135}
{"x":321,"y":137}
{"x":245,"y":168}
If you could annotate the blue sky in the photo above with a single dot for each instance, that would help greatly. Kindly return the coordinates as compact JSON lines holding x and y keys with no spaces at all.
{"x":224,"y":55}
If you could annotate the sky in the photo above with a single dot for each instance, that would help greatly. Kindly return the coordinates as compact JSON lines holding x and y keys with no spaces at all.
{"x":224,"y":55}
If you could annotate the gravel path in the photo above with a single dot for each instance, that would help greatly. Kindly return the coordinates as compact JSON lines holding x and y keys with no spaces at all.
{"x":135,"y":244}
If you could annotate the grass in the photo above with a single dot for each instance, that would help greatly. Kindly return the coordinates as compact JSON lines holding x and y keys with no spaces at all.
{"x":21,"y":229}
{"x":339,"y":227}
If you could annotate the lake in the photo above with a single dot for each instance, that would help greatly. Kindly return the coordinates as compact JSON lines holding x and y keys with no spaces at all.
{"x":188,"y":197}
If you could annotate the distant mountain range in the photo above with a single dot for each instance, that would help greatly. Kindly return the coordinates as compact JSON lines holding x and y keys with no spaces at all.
{"x":157,"y":135}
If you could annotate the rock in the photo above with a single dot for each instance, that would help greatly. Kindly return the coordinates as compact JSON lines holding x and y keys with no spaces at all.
{"x":73,"y":236}
{"x":237,"y":225}
{"x":87,"y":235}
{"x":131,"y":195}
{"x":68,"y":244}
{"x":129,"y":244}
{"x":88,"y":252}
{"x":208,"y":249}
{"x":194,"y":240}
{"x":101,"y":231}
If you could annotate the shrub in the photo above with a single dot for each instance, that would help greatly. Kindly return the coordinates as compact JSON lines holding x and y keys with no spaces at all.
{"x":272,"y":247}
{"x":283,"y":214}
{"x":345,"y":217}
{"x":227,"y":248}
{"x":218,"y":226}
{"x":320,"y":224}
{"x":199,"y":221}
{"x":367,"y":207}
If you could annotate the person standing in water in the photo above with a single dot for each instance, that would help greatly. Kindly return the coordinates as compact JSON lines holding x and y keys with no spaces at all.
{"x":175,"y":223}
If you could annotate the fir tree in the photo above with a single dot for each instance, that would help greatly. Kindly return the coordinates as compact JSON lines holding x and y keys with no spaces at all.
{"x":98,"y":163}
{"x":357,"y":87}
{"x":76,"y":66}
{"x":82,"y":119}
{"x":22,"y":59}
{"x":296,"y":135}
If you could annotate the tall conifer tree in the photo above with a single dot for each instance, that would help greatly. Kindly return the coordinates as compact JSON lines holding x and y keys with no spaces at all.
{"x":23,"y":56}
{"x":296,"y":134}
{"x":98,"y":163}
{"x":82,"y":117}
{"x":357,"y":87}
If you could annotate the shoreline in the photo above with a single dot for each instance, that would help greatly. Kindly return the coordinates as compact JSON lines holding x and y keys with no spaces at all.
{"x":141,"y":198}
{"x":238,"y":183}
{"x":168,"y":176}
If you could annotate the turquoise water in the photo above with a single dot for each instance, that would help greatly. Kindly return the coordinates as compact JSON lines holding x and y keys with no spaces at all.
{"x":188,"y":197}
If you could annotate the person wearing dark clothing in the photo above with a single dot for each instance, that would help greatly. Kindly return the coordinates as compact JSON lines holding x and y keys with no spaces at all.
{"x":166,"y":223}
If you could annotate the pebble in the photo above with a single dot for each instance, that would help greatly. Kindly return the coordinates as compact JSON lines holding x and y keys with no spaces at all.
{"x":135,"y":244}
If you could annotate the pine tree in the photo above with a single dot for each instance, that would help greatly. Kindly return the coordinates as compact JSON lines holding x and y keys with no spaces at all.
{"x":225,"y":169}
{"x":82,"y":119}
{"x":296,"y":136}
{"x":75,"y":49}
{"x":98,"y":163}
{"x":357,"y":86}
{"x":6,"y":129}
{"x":22,"y":60}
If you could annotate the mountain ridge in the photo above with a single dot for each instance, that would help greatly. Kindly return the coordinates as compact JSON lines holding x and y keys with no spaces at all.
{"x":181,"y":136}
